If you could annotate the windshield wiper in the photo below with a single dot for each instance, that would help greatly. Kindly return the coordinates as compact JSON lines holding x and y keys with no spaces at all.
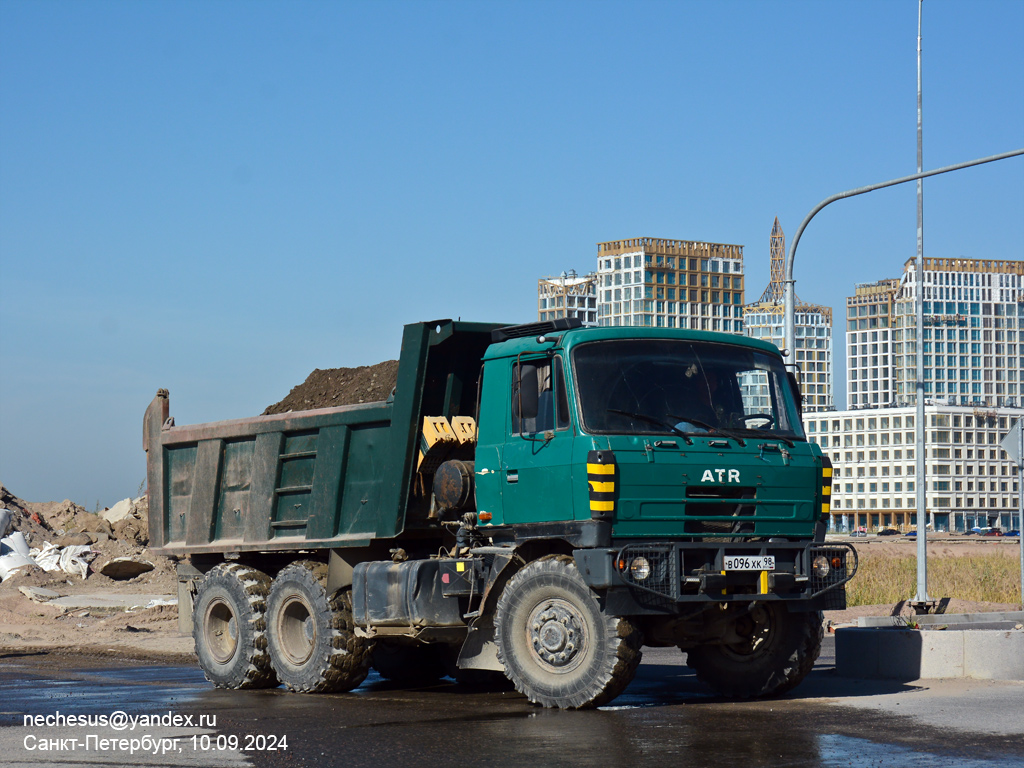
{"x":711,"y":429}
{"x":652,"y":420}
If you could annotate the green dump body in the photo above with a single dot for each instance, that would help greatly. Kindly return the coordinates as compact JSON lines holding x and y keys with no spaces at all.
{"x":324,"y":478}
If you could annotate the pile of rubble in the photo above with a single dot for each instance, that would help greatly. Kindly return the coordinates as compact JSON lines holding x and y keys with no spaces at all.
{"x":62,"y":537}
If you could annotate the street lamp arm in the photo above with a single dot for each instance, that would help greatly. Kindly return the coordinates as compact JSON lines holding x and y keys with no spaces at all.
{"x":790,"y":293}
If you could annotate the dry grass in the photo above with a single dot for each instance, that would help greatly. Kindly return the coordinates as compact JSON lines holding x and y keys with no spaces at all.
{"x":987,"y":577}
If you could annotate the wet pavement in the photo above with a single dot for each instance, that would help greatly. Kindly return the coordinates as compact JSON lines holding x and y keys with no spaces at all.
{"x":665,"y":717}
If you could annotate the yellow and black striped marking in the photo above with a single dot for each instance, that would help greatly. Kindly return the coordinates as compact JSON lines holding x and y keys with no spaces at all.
{"x":601,"y":476}
{"x":826,"y":487}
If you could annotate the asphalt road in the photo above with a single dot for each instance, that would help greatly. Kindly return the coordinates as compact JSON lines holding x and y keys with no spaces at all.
{"x":664,"y":718}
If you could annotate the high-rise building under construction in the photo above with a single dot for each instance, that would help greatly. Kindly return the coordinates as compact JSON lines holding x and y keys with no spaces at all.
{"x":656,"y":282}
{"x":973,"y":335}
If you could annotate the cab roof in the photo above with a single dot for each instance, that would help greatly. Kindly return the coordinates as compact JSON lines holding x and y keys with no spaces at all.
{"x":569,"y":338}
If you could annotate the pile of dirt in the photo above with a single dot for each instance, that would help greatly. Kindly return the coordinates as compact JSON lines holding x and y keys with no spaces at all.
{"x":28,"y":621}
{"x":118,"y":532}
{"x":340,"y":386}
{"x":65,"y":523}
{"x":22,"y":518}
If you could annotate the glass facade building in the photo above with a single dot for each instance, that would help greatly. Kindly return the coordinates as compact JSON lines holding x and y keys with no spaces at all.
{"x":973,"y":314}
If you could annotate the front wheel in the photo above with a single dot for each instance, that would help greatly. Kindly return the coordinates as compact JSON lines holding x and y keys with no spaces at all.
{"x":312,"y":642}
{"x":557,"y":645}
{"x":768,"y":651}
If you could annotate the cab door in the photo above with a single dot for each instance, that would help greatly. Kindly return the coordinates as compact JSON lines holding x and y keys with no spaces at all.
{"x":536,"y":467}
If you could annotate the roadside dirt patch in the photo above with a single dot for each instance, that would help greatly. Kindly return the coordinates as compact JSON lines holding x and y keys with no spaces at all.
{"x":955,"y":607}
{"x":340,"y":386}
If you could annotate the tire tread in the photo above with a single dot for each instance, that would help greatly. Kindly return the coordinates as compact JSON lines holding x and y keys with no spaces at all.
{"x":347,"y":661}
{"x":258,"y":671}
{"x":616,"y":671}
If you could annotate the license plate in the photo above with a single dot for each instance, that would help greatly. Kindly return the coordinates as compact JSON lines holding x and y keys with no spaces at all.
{"x":749,"y":563}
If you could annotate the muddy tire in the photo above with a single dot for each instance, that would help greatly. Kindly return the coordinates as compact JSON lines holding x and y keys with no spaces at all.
{"x":409,"y":664}
{"x":778,"y":649}
{"x":311,"y":638}
{"x":229,"y":627}
{"x":558,"y":647}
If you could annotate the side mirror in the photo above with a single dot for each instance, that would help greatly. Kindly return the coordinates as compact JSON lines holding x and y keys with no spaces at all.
{"x":794,"y":385}
{"x":528,"y":392}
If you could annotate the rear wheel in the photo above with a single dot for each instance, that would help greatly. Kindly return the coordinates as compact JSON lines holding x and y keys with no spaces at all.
{"x":557,"y":646}
{"x":229,"y":627}
{"x":312,"y":643}
{"x":769,"y":652}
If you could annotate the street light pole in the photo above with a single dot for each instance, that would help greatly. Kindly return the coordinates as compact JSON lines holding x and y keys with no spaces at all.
{"x":920,"y":600}
{"x":790,"y":330}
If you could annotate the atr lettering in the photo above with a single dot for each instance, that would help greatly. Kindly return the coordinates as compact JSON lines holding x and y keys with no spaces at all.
{"x":709,"y":475}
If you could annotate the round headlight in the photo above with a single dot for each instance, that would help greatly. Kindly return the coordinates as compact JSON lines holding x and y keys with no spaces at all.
{"x":639,"y":568}
{"x":820,"y":566}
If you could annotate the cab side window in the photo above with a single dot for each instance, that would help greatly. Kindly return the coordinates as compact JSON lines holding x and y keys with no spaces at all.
{"x":539,"y":398}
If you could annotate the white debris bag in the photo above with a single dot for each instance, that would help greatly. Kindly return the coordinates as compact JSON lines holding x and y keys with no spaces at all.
{"x":14,"y":543}
{"x":47,"y":558}
{"x":11,"y":563}
{"x":73,"y":559}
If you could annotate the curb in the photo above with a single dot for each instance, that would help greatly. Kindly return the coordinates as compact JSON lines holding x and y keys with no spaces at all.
{"x":908,"y":654}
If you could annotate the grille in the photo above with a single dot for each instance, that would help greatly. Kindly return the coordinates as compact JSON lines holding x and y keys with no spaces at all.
{"x":835,"y":576}
{"x":662,"y":578}
{"x":718,"y":502}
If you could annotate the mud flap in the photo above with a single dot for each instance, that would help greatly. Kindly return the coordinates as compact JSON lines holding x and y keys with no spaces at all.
{"x":479,"y":651}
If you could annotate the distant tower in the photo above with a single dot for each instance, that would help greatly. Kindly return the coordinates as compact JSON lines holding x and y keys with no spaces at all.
{"x":775,"y":291}
{"x":765,"y":320}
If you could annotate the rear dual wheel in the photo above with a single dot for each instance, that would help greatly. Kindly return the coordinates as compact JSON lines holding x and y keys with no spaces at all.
{"x":311,"y":636}
{"x":229,"y":627}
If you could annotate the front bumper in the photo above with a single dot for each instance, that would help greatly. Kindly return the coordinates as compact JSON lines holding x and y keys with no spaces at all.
{"x":680,"y":573}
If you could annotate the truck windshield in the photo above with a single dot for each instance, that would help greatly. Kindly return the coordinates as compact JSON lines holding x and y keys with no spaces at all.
{"x":654,"y":386}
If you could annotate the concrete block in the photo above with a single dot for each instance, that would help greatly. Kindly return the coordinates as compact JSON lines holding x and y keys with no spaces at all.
{"x":942,"y":654}
{"x":994,"y":655}
{"x":119,"y":511}
{"x":38,"y":594}
{"x":945,"y":619}
{"x":905,"y":654}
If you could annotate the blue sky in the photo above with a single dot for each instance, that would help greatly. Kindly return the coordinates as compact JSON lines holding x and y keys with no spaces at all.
{"x":217,"y":198}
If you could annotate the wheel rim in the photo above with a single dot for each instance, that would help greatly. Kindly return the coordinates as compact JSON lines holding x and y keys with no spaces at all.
{"x":297,"y":631}
{"x":756,"y":629}
{"x":556,"y":636}
{"x":220,"y":628}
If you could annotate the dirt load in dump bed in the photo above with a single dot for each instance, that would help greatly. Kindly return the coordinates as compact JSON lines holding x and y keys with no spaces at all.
{"x":340,"y":386}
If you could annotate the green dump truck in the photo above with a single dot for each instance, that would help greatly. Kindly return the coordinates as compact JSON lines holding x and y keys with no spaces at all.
{"x":536,"y":501}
